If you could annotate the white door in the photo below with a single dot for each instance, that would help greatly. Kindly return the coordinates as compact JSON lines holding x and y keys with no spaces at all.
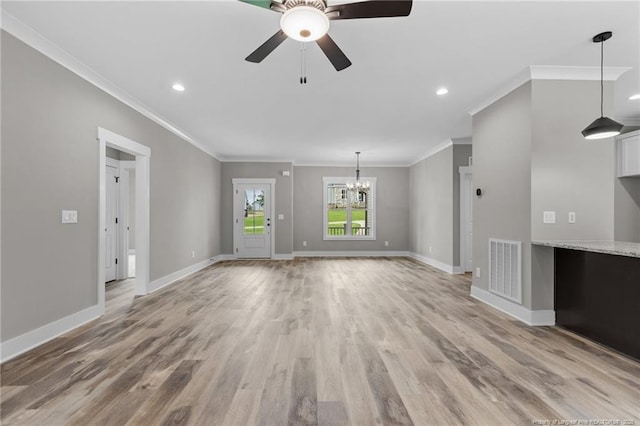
{"x":110,"y":224}
{"x":466,"y":216}
{"x":252,"y":221}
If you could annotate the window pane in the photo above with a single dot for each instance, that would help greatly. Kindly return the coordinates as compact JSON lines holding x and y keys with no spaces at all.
{"x":360,"y":217}
{"x":337,"y":199}
{"x":254,"y":212}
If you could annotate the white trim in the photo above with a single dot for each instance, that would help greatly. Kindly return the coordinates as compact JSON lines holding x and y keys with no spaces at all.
{"x":31,"y":339}
{"x":132,"y":251}
{"x":142,"y":154}
{"x":544,"y":72}
{"x":553,"y":72}
{"x":433,"y":151}
{"x":533,"y":318}
{"x":437,"y":264}
{"x":223,"y":257}
{"x":351,"y":254}
{"x":283,"y":256}
{"x":45,"y":46}
{"x":272,"y":202}
{"x":156,"y":285}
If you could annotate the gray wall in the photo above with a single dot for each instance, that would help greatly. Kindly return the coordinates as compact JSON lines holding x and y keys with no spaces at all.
{"x":502,"y":168}
{"x":569,"y":173}
{"x":283,"y":229}
{"x":50,"y":163}
{"x":627,"y":209}
{"x":529,"y":156}
{"x":392,"y":209}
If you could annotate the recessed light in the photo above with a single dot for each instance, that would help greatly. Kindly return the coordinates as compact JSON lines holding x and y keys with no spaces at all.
{"x":178,"y":87}
{"x":442,"y":91}
{"x":634,"y":97}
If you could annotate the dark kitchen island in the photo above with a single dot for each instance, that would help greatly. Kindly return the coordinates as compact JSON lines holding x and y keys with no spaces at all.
{"x":597,"y":291}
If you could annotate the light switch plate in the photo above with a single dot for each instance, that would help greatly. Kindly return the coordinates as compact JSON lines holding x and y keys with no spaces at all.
{"x":572,"y":217}
{"x":280,"y":216}
{"x":549,"y":217}
{"x":69,"y":216}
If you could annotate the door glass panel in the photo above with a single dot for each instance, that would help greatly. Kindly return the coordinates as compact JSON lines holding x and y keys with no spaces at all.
{"x":337,"y":199}
{"x":254,"y":212}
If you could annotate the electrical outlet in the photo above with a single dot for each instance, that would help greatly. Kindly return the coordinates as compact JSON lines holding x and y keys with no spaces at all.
{"x":572,"y":217}
{"x":549,"y":217}
{"x":69,"y":216}
{"x":430,"y":249}
{"x":280,"y":216}
{"x":304,"y":244}
{"x":193,"y":254}
{"x":478,"y":272}
{"x":386,"y":243}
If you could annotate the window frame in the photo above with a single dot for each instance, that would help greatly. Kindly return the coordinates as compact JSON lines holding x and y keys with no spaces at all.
{"x":325,"y":210}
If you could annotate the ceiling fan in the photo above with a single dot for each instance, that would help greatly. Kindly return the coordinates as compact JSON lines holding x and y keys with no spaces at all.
{"x":308,"y":20}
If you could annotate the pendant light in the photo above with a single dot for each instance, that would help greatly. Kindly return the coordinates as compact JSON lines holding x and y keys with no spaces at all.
{"x":603,"y":127}
{"x":358,"y":184}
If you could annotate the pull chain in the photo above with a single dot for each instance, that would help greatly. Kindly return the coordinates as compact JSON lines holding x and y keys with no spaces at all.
{"x":303,"y":63}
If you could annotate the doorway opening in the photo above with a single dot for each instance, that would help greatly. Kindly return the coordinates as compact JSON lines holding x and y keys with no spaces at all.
{"x":123,"y":243}
{"x":466,"y":218}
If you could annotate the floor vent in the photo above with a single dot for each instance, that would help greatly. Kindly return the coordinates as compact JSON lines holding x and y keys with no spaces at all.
{"x":505,"y":276}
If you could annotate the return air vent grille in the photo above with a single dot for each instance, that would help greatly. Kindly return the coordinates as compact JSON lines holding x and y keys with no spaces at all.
{"x":505,"y":276}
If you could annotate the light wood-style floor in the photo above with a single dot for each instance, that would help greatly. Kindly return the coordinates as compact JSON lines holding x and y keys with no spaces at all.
{"x":315,"y":341}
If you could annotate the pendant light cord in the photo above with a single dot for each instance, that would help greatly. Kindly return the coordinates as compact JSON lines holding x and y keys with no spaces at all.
{"x":602,"y":78}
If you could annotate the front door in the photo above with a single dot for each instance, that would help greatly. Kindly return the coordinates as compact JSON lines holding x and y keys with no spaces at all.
{"x":110,"y":224}
{"x":252,"y":221}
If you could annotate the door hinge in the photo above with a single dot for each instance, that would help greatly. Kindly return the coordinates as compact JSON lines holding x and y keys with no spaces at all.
{"x":236,"y":250}
{"x":117,"y":179}
{"x":116,"y":260}
{"x":236,"y":192}
{"x":116,"y":220}
{"x":236,"y":220}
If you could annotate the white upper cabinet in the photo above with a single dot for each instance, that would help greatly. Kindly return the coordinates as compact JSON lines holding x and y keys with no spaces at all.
{"x":628,"y":152}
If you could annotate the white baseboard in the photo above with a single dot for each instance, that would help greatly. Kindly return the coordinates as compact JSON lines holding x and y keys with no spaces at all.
{"x":534,"y":318}
{"x":31,"y":339}
{"x":222,"y":257}
{"x":437,"y":264}
{"x":156,"y":285}
{"x":351,"y":254}
{"x":288,"y":256}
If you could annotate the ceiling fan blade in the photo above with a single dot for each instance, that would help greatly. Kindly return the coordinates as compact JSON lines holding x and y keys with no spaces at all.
{"x":266,"y":4}
{"x":267,"y":47}
{"x":370,"y":9}
{"x":333,"y":52}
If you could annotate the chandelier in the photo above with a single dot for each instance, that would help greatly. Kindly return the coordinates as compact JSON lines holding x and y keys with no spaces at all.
{"x":358,"y":184}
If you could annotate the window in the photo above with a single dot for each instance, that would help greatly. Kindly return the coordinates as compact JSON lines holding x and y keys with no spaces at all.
{"x":349,"y":214}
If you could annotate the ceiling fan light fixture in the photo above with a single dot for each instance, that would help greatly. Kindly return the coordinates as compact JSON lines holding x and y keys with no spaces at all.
{"x":304,"y":23}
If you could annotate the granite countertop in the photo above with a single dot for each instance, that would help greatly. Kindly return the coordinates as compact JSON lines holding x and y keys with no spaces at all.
{"x":620,"y":248}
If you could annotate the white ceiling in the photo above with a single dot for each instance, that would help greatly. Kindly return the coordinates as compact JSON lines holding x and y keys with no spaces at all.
{"x":383,"y":105}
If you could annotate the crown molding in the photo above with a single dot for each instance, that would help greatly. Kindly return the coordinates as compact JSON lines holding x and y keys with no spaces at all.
{"x":37,"y":41}
{"x":433,"y":151}
{"x":549,"y":72}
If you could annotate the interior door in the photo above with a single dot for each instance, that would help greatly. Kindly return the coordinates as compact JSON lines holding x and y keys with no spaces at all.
{"x":252,"y":221}
{"x":468,"y":222}
{"x":111,"y":227}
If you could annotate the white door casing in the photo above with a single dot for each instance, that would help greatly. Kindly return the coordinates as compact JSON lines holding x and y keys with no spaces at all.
{"x":142,"y":155}
{"x":253,"y":224}
{"x":111,"y":227}
{"x":466,"y":218}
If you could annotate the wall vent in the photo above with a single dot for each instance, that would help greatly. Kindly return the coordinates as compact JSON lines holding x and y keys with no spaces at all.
{"x":505,"y":269}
